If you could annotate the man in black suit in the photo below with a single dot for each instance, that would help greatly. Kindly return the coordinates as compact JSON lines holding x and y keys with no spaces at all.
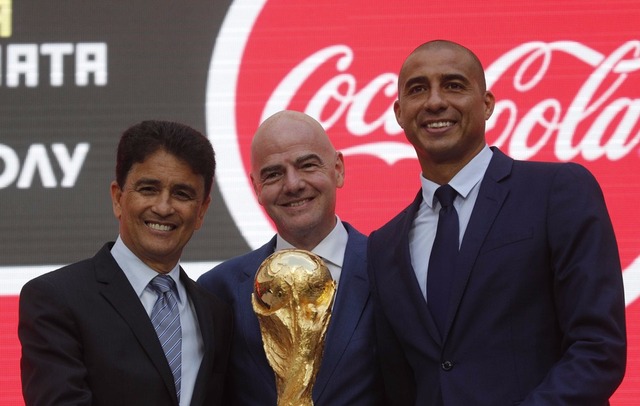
{"x":86,"y":329}
{"x":528,"y":306}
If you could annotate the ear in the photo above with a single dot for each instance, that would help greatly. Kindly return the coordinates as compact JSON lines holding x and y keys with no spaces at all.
{"x":398,"y":112}
{"x":202,"y":211}
{"x":116,"y":195}
{"x":256,"y":187}
{"x":489,"y":104}
{"x":340,"y":171}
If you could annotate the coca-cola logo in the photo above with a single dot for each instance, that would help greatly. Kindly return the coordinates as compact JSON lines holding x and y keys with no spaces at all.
{"x":569,"y":94}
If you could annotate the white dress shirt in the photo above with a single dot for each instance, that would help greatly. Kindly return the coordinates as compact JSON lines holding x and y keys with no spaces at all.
{"x":331,"y":249}
{"x":423,"y":231}
{"x":139,"y":275}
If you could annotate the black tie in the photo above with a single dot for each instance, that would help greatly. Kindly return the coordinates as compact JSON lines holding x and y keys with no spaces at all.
{"x":443,"y":257}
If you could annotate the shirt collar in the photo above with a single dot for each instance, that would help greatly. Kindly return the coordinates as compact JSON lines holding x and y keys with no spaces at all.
{"x":464,"y":180}
{"x":137,"y":272}
{"x":331,"y":248}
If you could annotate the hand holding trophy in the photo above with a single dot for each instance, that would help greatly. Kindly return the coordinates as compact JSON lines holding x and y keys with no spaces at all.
{"x":292,"y":297}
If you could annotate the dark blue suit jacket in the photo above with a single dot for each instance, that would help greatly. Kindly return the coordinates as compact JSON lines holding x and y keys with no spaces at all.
{"x":347,"y":375}
{"x":537,"y":309}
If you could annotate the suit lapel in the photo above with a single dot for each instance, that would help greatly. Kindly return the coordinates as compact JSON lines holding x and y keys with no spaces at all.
{"x":406,"y":273}
{"x":116,"y":289}
{"x":350,"y":301}
{"x":205,"y":323}
{"x":490,"y":199}
{"x":247,"y":318}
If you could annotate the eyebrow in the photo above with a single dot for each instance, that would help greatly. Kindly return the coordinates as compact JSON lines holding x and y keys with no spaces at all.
{"x":444,"y":78}
{"x":157,"y":183}
{"x":308,"y":157}
{"x":269,"y":169}
{"x":455,"y":76}
{"x":298,"y":161}
{"x":414,"y":80}
{"x":188,"y":188}
{"x":146,"y":181}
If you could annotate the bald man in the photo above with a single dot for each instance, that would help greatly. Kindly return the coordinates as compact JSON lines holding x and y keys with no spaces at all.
{"x":295,"y":171}
{"x":526,"y":306}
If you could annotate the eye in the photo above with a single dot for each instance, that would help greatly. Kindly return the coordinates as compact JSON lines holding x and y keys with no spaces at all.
{"x":454,"y":86}
{"x":270,"y":177}
{"x":146,"y":190}
{"x":416,"y":89}
{"x":183,"y":195}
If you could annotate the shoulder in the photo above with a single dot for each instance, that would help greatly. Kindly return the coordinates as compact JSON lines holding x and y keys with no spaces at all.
{"x":356,"y":250}
{"x":223,"y":277}
{"x":71,"y":277}
{"x":231,"y":268}
{"x":355,"y":236}
{"x":200,"y":293}
{"x":70,"y":288}
{"x":503,"y":164}
{"x":212,"y":311}
{"x":504,"y":168}
{"x":558,"y":175}
{"x":398,"y":224}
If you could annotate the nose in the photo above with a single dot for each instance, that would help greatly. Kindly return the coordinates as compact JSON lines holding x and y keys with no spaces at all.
{"x":435,"y":101}
{"x":293,"y":181}
{"x":163,"y":204}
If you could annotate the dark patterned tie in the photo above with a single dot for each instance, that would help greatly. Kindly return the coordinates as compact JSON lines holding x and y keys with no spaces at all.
{"x":166,"y":320}
{"x":443,"y":257}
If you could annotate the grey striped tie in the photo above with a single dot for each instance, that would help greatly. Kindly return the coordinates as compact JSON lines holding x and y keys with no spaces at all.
{"x":166,"y":320}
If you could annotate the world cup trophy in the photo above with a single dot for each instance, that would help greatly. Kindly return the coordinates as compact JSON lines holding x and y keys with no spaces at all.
{"x":292,"y":297}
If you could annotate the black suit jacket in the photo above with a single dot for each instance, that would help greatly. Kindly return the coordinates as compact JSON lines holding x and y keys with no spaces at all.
{"x":537,"y":313}
{"x":87,"y":340}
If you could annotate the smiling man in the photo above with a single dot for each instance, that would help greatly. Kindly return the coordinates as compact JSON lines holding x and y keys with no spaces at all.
{"x":296,"y":172}
{"x":128,"y":326}
{"x":500,"y":284}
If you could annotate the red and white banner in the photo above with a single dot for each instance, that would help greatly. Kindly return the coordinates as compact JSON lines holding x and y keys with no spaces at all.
{"x":566,"y":76}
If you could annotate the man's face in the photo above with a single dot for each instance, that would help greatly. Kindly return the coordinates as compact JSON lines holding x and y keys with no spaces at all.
{"x":161,"y":205}
{"x":295,"y":175}
{"x":442,"y":105}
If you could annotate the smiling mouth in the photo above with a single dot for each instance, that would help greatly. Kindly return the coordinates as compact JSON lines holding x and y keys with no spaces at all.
{"x":159,"y":227}
{"x":440,"y":124}
{"x":297,"y":203}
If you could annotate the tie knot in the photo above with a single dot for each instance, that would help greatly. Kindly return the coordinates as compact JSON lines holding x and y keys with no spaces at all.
{"x":162,"y":283}
{"x":445,"y":195}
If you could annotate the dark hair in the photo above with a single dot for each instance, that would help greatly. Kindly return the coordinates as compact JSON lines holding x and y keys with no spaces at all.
{"x":145,"y":138}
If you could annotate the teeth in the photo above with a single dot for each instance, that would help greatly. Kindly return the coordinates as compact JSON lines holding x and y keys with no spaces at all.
{"x":159,"y":227}
{"x":296,"y":204}
{"x":440,"y":124}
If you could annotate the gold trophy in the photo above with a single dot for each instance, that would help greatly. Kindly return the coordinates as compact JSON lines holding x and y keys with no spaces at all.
{"x":292,"y":296}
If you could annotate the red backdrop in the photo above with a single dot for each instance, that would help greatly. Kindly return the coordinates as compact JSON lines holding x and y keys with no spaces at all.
{"x":566,"y":76}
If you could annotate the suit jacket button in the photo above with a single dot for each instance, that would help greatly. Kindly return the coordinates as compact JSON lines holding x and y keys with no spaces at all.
{"x":447,"y":365}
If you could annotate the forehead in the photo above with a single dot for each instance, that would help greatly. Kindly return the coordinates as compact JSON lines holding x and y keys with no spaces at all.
{"x":439,"y":61}
{"x":287,"y":141}
{"x":166,"y":167}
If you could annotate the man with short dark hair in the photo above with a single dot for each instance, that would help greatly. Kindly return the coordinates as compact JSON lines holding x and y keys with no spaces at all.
{"x":128,"y":326}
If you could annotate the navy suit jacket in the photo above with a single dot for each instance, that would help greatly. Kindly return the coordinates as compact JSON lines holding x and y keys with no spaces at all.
{"x":536,"y":315}
{"x":87,"y":340}
{"x":347,"y":375}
